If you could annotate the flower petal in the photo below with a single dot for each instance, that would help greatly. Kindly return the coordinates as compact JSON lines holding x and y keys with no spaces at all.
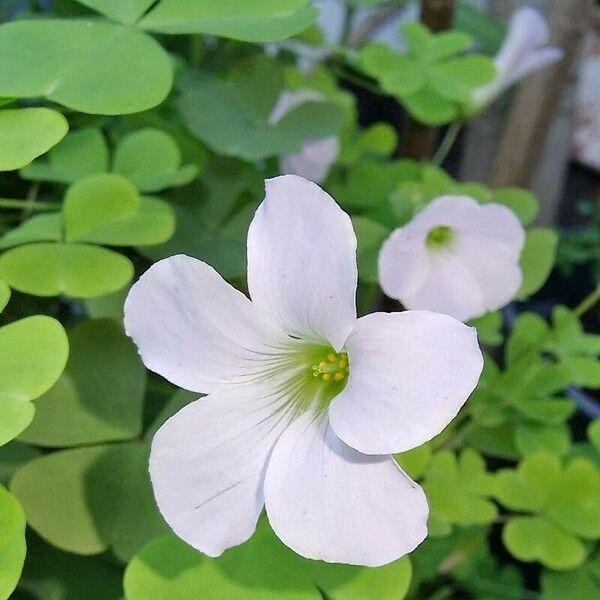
{"x":326,"y":501}
{"x":193,"y":328}
{"x":208,"y":461}
{"x":302,"y":261}
{"x":313,"y":161}
{"x":410,"y":373}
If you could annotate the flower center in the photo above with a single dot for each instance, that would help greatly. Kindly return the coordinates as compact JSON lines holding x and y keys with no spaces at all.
{"x":334,"y":367}
{"x":439,"y":236}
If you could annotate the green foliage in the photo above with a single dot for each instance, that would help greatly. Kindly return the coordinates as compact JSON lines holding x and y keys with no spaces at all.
{"x":433,"y":79}
{"x":12,"y":542}
{"x":167,"y":567}
{"x":260,"y":21}
{"x":159,"y":104}
{"x":85,"y":500}
{"x":90,"y":66}
{"x":33,"y":353}
{"x":99,"y":397}
{"x":232,"y":116}
{"x":25,"y":133}
{"x":564,"y":504}
{"x":457,"y":489}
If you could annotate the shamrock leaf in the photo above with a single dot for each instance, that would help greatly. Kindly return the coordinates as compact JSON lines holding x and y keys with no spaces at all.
{"x":564,"y":504}
{"x":458,"y":490}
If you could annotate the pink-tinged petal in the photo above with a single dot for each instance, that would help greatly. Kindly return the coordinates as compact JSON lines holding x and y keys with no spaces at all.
{"x":410,"y":373}
{"x":208,"y":462}
{"x":328,"y":502}
{"x":193,"y":328}
{"x":475,"y":272}
{"x":450,"y":289}
{"x":535,"y":61}
{"x":313,"y":161}
{"x":302,"y":261}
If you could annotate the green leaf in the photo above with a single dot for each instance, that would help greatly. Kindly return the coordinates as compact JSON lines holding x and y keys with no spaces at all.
{"x":533,"y":437}
{"x":418,"y":38}
{"x":86,"y":500}
{"x":12,"y":542}
{"x":88,"y":65}
{"x":580,"y":584}
{"x":82,"y":153}
{"x":575,"y":502}
{"x":593,"y":433}
{"x":99,"y":397}
{"x":529,"y":487}
{"x":533,"y":538}
{"x":33,"y":354}
{"x":39,"y":228}
{"x":537,"y":259}
{"x":12,"y":456}
{"x":489,"y":328}
{"x":124,"y":11}
{"x":219,"y":113}
{"x":77,"y":270}
{"x":258,"y":21}
{"x":261,"y":569}
{"x":431,"y":108}
{"x":4,"y":295}
{"x":398,"y":75}
{"x":151,"y":159}
{"x":415,"y":461}
{"x":26,"y":133}
{"x":213,"y":220}
{"x":456,"y":79}
{"x":457,"y":489}
{"x":370,"y":236}
{"x":528,"y":333}
{"x":522,"y":202}
{"x":50,"y":574}
{"x":448,"y":43}
{"x":96,"y":201}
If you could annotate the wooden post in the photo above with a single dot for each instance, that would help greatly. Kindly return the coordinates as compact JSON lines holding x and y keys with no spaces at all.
{"x":420,"y":139}
{"x":537,"y":100}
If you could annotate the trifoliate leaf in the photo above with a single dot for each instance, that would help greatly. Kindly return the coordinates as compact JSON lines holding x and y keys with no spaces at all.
{"x":534,"y":538}
{"x":77,"y":270}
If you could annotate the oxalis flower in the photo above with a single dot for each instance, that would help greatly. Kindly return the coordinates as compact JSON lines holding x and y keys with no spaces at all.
{"x":524,"y":50}
{"x":456,"y":257}
{"x":305,"y":401}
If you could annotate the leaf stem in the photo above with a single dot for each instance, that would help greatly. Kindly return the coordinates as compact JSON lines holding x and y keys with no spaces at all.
{"x":446,"y":145}
{"x":588,"y":302}
{"x":28,"y":204}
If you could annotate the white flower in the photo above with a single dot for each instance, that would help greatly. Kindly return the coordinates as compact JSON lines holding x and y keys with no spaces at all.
{"x":305,"y":401}
{"x":455,"y":257}
{"x":316,"y":156}
{"x":524,"y":50}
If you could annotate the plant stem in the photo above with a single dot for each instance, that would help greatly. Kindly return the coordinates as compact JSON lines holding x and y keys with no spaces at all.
{"x":355,"y":79}
{"x":27,"y":204}
{"x":447,"y":143}
{"x":588,"y":302}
